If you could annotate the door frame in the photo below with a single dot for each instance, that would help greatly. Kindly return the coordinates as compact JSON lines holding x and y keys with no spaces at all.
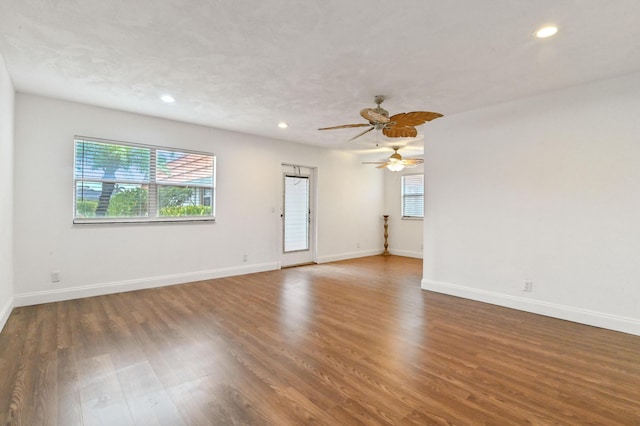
{"x":304,"y":256}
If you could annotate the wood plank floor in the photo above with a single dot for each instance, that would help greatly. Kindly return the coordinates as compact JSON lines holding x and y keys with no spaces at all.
{"x":353,"y":342}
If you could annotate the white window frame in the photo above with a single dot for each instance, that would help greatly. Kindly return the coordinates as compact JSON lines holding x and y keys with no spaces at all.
{"x":153,"y":184}
{"x":404,"y":197}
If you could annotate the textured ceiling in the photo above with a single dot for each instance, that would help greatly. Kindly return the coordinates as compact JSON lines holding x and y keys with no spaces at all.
{"x":246,"y":65}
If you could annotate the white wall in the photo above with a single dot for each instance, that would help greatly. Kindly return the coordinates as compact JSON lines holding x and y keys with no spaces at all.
{"x":544,"y":189}
{"x":405,"y":235}
{"x":94,"y":259}
{"x":6,"y":193}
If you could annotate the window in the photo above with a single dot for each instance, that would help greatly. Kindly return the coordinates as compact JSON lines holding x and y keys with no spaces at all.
{"x":123,"y":182}
{"x":413,"y":196}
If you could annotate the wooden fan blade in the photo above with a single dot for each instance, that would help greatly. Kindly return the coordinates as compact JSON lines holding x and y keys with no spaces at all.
{"x":412,"y":162}
{"x":395,"y":131}
{"x":416,"y":118}
{"x":345,"y":126}
{"x":372,"y":116}
{"x":360,"y":134}
{"x":382,"y":164}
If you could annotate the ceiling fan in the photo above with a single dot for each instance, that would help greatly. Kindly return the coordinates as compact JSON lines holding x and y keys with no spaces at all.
{"x":400,"y":125}
{"x":395,"y":163}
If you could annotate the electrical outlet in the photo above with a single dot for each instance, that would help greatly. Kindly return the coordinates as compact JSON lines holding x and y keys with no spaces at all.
{"x":245,"y":257}
{"x":357,"y":245}
{"x":55,"y":276}
{"x":528,"y":286}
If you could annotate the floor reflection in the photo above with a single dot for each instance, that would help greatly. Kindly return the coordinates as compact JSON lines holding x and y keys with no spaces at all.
{"x":406,"y":331}
{"x":296,"y":305}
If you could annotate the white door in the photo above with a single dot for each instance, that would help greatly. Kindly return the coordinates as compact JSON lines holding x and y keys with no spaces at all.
{"x":298,"y":230}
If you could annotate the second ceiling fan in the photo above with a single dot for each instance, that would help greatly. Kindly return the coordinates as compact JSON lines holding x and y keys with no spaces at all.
{"x":402,"y":125}
{"x":395,"y":162}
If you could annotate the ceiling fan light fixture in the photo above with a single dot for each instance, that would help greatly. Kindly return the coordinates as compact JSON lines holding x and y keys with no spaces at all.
{"x":395,"y":166}
{"x":395,"y":163}
{"x":283,"y":125}
{"x":167,"y":99}
{"x":546,"y":31}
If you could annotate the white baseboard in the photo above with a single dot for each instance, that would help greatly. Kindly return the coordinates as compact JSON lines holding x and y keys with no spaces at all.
{"x":57,"y":295}
{"x":406,"y":253}
{"x":5,"y":311}
{"x":347,"y":256}
{"x":583,"y":316}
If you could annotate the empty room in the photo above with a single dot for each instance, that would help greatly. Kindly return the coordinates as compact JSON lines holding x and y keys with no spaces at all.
{"x":335,"y":213}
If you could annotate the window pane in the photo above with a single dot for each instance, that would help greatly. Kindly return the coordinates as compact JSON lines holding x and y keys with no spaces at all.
{"x":112,"y":162}
{"x":184,"y":168}
{"x":180,"y":201}
{"x":107,"y":199}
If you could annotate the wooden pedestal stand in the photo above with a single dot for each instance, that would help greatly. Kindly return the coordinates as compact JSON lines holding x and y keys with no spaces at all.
{"x":386,"y":235}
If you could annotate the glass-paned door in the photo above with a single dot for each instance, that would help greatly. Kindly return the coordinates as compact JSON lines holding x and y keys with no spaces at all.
{"x":297,"y":216}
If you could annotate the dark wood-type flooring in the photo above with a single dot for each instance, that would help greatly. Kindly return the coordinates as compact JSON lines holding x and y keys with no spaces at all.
{"x":353,"y":342}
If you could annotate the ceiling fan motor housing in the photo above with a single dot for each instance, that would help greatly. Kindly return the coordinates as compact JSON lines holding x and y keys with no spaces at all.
{"x":379,"y":110}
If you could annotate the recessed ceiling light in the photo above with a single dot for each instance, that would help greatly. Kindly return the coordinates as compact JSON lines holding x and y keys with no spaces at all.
{"x":546,"y":32}
{"x":283,"y":125}
{"x":167,"y":99}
